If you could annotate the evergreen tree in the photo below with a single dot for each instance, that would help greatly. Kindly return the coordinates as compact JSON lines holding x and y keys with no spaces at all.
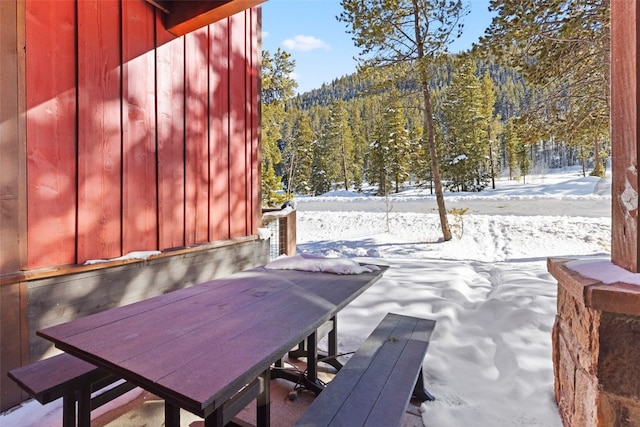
{"x":359,"y":149}
{"x":378,"y":167}
{"x":511,"y":141}
{"x":320,"y":167}
{"x":493,"y":122}
{"x":277,"y":89}
{"x":465,"y":125}
{"x":413,"y":32}
{"x":302,"y":157}
{"x":340,"y":144}
{"x":398,"y":141}
{"x":522,"y":157}
{"x":391,"y":150}
{"x":562,"y":48}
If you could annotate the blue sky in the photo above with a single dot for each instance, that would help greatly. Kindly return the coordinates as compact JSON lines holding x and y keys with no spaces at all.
{"x":320,"y":45}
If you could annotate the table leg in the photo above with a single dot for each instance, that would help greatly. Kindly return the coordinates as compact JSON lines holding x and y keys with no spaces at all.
{"x":84,"y":406}
{"x":216,"y":419}
{"x":171,"y":415}
{"x":300,"y":351}
{"x":333,"y":346}
{"x":263,"y":403}
{"x":333,"y":337}
{"x":69,"y":409}
{"x":312,"y":357}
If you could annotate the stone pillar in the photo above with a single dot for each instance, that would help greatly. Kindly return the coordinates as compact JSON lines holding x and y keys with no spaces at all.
{"x":596,"y":343}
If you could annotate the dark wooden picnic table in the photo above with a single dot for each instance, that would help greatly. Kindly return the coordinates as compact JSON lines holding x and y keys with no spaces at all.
{"x":197,"y":347}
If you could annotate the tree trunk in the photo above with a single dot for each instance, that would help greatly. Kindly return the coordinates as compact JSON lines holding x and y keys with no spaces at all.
{"x":596,"y":158}
{"x":345,"y":172}
{"x":429,"y":125}
{"x":290,"y":180}
{"x":491,"y":167}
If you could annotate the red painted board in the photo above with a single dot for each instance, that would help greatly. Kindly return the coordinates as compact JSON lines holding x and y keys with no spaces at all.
{"x":170,"y":128}
{"x":99,"y":130}
{"x":51,"y":133}
{"x":219,"y":129}
{"x":238,"y":125}
{"x":255,"y":34}
{"x":196,"y":131}
{"x":139,"y":184}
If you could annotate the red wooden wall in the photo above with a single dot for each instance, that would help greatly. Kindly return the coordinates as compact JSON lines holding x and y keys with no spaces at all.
{"x":136,"y":139}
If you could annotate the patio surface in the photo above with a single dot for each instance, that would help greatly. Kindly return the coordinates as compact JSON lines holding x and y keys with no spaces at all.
{"x":141,"y":409}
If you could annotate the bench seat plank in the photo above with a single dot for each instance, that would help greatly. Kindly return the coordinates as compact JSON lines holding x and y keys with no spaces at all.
{"x":49,"y":379}
{"x":375,"y":386}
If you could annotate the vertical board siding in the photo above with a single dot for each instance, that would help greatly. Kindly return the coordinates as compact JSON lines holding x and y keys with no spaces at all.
{"x":99,"y":130}
{"x":254,"y":38}
{"x":238,"y":125}
{"x":51,"y":133}
{"x":170,"y":113}
{"x":139,"y":201}
{"x":197,"y":136}
{"x":219,"y":129}
{"x":139,"y":140}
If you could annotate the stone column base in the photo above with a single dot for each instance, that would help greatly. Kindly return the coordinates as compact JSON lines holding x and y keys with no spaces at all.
{"x":596,"y":350}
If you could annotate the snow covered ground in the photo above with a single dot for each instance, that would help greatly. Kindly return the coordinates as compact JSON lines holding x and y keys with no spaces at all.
{"x":489,"y":361}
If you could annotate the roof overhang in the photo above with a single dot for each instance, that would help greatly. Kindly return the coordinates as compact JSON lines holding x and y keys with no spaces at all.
{"x":184,"y":16}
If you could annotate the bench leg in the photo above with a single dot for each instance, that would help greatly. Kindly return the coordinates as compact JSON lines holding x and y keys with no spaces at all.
{"x":420,"y":391}
{"x":69,"y":409}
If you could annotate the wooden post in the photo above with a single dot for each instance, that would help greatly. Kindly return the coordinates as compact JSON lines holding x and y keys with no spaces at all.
{"x":13,"y":196}
{"x":624,"y":133}
{"x":290,"y":234}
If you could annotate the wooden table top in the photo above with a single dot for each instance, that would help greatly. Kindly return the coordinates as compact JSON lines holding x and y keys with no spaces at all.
{"x":198,"y":346}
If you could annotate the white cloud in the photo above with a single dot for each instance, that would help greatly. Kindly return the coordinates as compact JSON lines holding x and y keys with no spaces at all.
{"x":305,"y":43}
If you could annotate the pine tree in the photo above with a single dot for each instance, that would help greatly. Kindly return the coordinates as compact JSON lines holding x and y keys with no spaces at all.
{"x":320,"y":167}
{"x":340,"y":143}
{"x":359,"y":148}
{"x":493,"y":122}
{"x":377,"y":169}
{"x":562,"y":48}
{"x":465,"y":127}
{"x":277,"y":89}
{"x":511,"y":141}
{"x":415,"y":33}
{"x":398,"y":141}
{"x":391,"y":149}
{"x":302,"y":157}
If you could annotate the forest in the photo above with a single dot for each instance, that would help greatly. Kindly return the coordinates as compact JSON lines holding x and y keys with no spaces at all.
{"x":445,"y":121}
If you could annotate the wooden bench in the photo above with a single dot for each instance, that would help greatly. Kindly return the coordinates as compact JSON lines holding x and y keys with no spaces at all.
{"x":73,"y":380}
{"x":375,"y":386}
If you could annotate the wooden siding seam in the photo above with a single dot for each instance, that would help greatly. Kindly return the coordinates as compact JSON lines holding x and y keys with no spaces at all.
{"x":122,"y":171}
{"x":229,"y":122}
